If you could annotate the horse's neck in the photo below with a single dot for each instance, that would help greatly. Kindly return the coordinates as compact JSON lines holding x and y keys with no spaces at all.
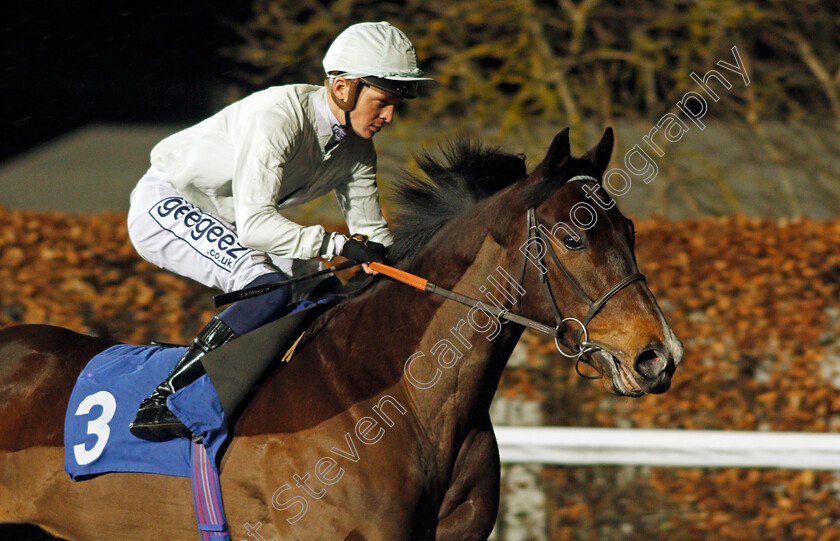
{"x":361,"y":350}
{"x":446,"y":357}
{"x":456,"y":365}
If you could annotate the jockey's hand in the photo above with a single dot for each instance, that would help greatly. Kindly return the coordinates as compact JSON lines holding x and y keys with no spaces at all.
{"x":359,"y":248}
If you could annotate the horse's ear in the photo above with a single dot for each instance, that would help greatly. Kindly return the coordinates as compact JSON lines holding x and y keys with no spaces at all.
{"x":599,"y":155}
{"x":558,"y":154}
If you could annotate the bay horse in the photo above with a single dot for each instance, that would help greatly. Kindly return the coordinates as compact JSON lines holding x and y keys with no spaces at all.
{"x":379,"y":428}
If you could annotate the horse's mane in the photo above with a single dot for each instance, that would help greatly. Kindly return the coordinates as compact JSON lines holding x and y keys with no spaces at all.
{"x":464,"y":173}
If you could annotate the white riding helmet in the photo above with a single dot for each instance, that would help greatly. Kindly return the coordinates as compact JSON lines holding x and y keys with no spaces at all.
{"x":379,"y":54}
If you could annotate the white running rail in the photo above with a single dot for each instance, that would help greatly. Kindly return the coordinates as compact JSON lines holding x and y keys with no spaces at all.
{"x":669,"y":448}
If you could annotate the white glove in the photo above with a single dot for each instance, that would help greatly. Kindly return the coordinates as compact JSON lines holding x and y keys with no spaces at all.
{"x":333,"y":243}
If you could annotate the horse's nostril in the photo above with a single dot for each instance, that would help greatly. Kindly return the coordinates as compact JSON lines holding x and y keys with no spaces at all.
{"x":649,"y":363}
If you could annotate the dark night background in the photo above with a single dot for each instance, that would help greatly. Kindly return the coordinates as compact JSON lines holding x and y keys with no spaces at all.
{"x":69,"y":64}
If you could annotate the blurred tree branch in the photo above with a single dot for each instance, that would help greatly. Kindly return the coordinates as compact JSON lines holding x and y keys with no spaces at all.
{"x":503,"y":66}
{"x":505,"y":61}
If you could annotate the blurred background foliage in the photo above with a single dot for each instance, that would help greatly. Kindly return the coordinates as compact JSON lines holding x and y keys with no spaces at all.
{"x":516,"y":71}
{"x":504,"y":62}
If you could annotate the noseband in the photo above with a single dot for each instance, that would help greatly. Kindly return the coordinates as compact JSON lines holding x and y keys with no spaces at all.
{"x":582,"y":344}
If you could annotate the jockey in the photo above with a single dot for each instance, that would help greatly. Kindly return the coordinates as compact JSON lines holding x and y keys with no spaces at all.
{"x":210,"y":207}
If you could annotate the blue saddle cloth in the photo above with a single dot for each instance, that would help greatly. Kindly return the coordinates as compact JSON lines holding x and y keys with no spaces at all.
{"x":104,"y":402}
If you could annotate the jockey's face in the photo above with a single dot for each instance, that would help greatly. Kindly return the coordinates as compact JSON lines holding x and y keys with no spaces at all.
{"x":373,"y":110}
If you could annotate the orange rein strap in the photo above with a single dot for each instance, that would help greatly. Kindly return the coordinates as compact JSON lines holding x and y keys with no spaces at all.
{"x":400,"y":275}
{"x":425,"y":285}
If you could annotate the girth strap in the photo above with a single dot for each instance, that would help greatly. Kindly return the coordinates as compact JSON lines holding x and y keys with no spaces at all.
{"x":207,"y":496}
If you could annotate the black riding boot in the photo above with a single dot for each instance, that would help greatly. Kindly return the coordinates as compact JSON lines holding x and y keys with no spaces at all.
{"x":154,"y":421}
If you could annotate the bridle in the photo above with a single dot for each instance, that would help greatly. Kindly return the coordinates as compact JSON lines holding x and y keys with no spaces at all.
{"x":534,"y":230}
{"x":582,"y":344}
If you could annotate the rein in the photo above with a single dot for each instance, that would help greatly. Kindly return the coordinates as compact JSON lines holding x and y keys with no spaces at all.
{"x":583,"y":347}
{"x":534,"y":231}
{"x":425,"y":285}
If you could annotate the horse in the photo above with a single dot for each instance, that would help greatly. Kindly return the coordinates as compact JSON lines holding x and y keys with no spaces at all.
{"x":378,"y":428}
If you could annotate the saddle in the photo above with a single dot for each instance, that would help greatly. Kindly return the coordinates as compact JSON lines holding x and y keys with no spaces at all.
{"x":236,"y":368}
{"x":106,"y":394}
{"x":108,"y":390}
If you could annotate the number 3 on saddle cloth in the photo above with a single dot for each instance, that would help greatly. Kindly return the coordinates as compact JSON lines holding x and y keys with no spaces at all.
{"x":107,"y":392}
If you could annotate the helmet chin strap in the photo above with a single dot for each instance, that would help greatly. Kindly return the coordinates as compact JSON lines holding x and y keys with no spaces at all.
{"x":347,"y":127}
{"x":347,"y":104}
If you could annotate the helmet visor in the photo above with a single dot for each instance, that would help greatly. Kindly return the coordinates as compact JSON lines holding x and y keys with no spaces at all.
{"x":403,"y":89}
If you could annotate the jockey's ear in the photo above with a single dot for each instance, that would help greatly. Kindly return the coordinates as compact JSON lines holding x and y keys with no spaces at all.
{"x":599,"y":155}
{"x":558,"y":155}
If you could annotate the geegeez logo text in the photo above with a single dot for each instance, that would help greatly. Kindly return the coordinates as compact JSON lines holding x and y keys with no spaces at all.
{"x":204,"y":233}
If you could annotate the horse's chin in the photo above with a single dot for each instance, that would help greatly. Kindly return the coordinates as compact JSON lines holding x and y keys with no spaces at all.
{"x":617,"y":378}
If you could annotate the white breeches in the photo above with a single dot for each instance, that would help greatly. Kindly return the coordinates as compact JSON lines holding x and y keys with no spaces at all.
{"x":175,"y":235}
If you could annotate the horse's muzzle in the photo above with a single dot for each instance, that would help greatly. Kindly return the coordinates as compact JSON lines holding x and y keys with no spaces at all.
{"x":655,"y":365}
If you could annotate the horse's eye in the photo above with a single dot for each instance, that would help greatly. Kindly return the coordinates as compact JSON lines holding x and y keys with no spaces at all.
{"x":573,"y":242}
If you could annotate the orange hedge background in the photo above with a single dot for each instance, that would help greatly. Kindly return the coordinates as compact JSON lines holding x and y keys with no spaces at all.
{"x":755,"y":303}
